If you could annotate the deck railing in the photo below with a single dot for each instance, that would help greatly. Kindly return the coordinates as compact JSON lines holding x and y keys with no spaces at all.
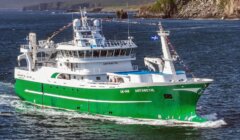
{"x":24,"y":46}
{"x":108,"y":43}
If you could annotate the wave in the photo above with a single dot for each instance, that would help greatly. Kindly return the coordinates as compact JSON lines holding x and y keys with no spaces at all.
{"x":9,"y":85}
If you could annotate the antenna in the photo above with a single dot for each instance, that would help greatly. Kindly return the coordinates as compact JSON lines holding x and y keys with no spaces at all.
{"x":128,"y":21}
{"x":101,"y":26}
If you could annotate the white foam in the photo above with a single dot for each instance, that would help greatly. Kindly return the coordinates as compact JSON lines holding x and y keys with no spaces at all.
{"x":8,"y":96}
{"x":210,"y":117}
{"x":5,"y":99}
{"x":9,"y":85}
{"x":30,"y":109}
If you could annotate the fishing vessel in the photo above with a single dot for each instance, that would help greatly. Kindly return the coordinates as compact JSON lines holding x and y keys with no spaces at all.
{"x":93,"y":75}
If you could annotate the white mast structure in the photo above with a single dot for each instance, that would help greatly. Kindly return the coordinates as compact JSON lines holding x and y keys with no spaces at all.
{"x":167,"y":57}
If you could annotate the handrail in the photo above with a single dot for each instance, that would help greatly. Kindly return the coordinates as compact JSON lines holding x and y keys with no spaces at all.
{"x":96,"y":58}
{"x":24,"y":46}
{"x":108,"y":43}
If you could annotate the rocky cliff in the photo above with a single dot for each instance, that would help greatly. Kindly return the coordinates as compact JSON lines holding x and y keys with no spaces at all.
{"x":90,"y":4}
{"x":192,"y":9}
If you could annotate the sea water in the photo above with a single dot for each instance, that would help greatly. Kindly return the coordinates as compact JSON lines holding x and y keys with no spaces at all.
{"x":211,"y":48}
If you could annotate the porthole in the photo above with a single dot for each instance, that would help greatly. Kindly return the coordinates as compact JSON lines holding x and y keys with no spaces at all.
{"x":98,"y":78}
{"x":167,"y":96}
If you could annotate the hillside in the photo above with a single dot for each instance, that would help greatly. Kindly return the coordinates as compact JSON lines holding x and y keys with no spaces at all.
{"x":75,"y":4}
{"x":192,"y":9}
{"x":21,"y":3}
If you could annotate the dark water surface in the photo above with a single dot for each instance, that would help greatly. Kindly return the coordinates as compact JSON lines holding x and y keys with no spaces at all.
{"x":210,"y":48}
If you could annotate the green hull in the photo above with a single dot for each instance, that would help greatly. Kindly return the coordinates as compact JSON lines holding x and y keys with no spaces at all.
{"x":176,"y":102}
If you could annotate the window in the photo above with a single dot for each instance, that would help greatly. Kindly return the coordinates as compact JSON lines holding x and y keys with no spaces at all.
{"x":59,"y":54}
{"x":86,"y":34}
{"x":75,"y":54}
{"x":98,"y":78}
{"x":67,"y":53}
{"x":132,"y":51}
{"x":81,"y":54}
{"x":167,"y":96}
{"x":110,"y":53}
{"x":96,"y":53}
{"x":98,"y":41}
{"x":88,"y":54}
{"x":117,"y":53}
{"x":128,"y":52}
{"x":123,"y":52}
{"x":70,"y":53}
{"x":62,"y":52}
{"x":103,"y":53}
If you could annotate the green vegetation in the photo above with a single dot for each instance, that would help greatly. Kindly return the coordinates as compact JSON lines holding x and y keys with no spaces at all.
{"x":75,"y":4}
{"x":167,"y":7}
{"x":122,"y":14}
{"x":222,"y":4}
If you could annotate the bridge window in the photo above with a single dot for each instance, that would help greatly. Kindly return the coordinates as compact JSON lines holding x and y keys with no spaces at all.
{"x":59,"y":54}
{"x":103,"y":53}
{"x":132,"y":51}
{"x":96,"y":53}
{"x":88,"y":54}
{"x":70,"y":53}
{"x":123,"y":52}
{"x":128,"y":51}
{"x":87,"y":34}
{"x":75,"y":53}
{"x":110,"y":53}
{"x":81,"y":54}
{"x":66,"y":53}
{"x":117,"y":52}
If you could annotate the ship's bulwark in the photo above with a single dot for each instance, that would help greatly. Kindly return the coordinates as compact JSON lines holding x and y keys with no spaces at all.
{"x":176,"y":102}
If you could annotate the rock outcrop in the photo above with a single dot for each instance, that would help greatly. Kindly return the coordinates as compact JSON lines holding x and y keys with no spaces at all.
{"x":121,"y":14}
{"x":192,"y":9}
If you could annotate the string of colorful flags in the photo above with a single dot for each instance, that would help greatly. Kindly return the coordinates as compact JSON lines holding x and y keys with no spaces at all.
{"x":174,"y":52}
{"x":59,"y":31}
{"x":172,"y":48}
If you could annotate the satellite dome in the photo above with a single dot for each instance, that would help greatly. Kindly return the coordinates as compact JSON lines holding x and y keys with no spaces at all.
{"x":96,"y":23}
{"x":76,"y":23}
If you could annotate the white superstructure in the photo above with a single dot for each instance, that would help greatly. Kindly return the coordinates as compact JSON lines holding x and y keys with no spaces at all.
{"x":89,"y":58}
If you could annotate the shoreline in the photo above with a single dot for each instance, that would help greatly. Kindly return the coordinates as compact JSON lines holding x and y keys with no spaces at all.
{"x":131,"y":11}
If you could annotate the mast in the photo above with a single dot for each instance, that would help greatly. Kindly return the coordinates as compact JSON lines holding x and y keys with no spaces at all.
{"x":33,"y":44}
{"x":168,"y":60}
{"x":84,"y":18}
